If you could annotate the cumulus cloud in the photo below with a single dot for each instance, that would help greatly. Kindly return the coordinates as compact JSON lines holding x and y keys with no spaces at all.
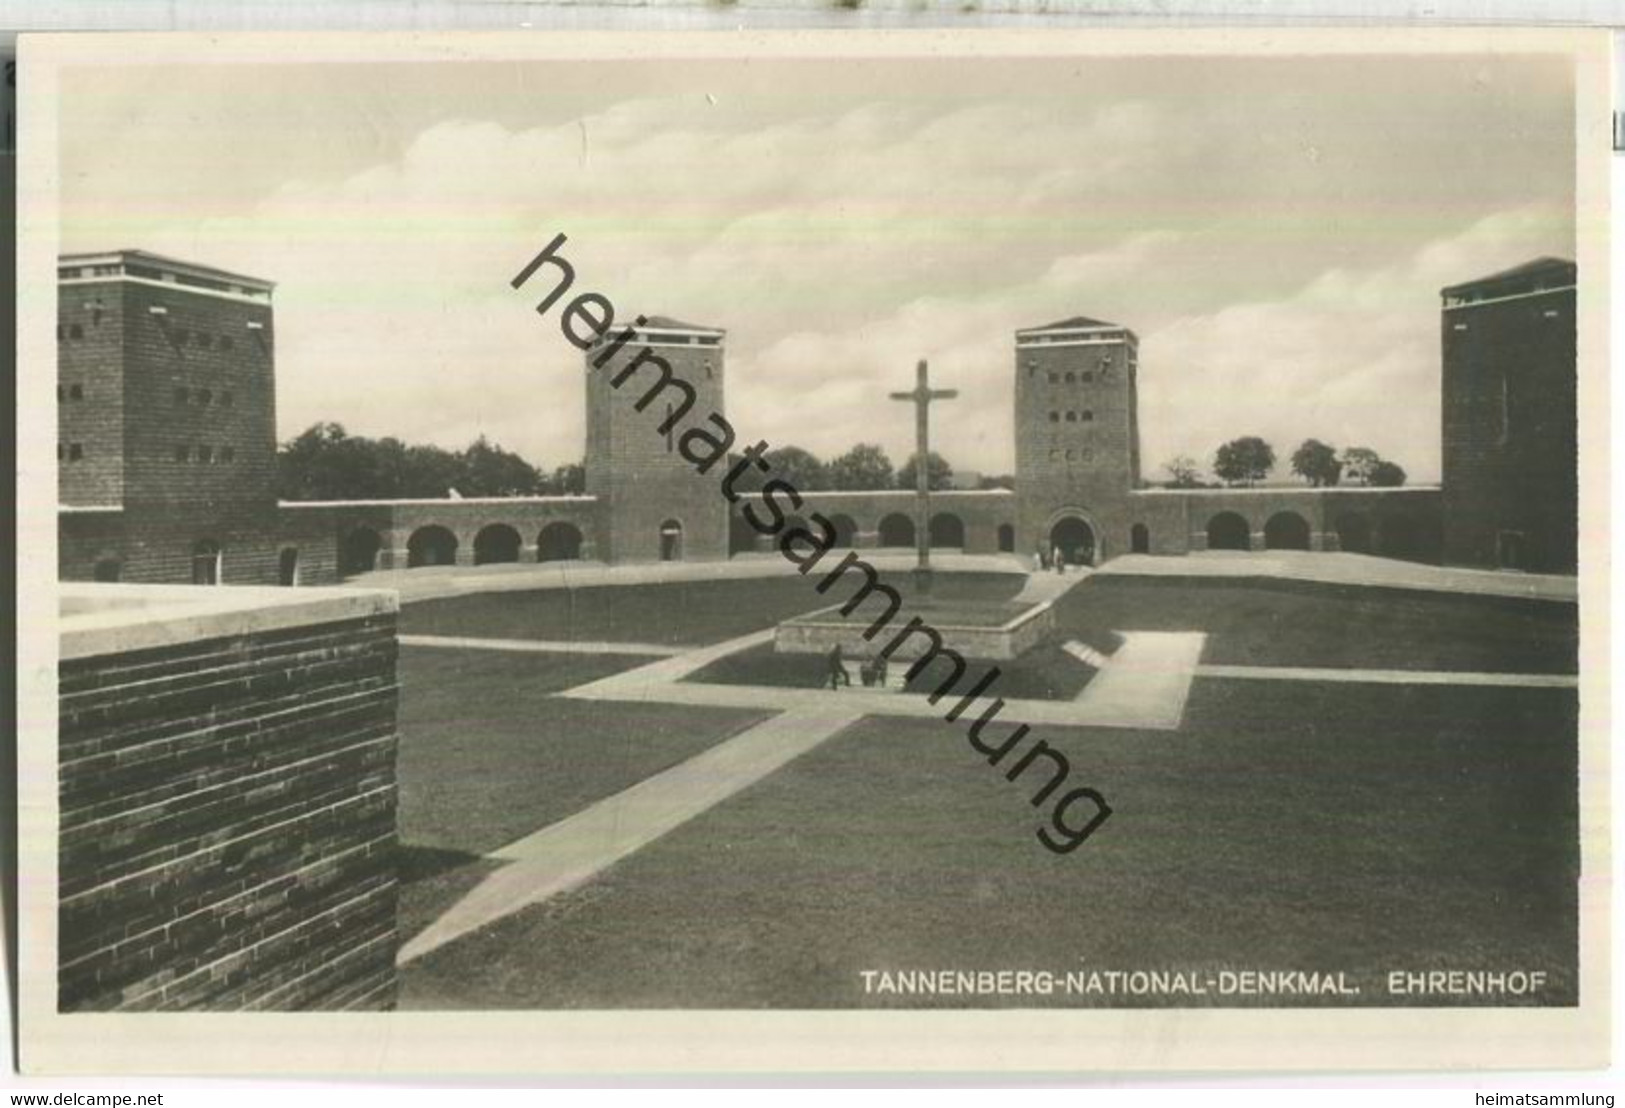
{"x":1281,"y":265}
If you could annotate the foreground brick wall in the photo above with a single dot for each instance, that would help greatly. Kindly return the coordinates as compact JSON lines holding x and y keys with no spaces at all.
{"x":228,"y":812}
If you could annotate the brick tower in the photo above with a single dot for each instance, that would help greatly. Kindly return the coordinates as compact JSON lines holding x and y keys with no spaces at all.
{"x":1077,"y":437}
{"x":655,"y":507}
{"x":166,"y":421}
{"x":1509,"y":429}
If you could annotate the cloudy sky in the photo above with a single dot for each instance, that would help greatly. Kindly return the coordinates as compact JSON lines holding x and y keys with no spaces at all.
{"x":1276,"y":231}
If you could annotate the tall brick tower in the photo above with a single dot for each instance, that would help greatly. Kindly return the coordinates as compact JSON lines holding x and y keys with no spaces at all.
{"x":166,"y":421}
{"x":1077,"y":437}
{"x":655,"y":507}
{"x":1509,"y":419}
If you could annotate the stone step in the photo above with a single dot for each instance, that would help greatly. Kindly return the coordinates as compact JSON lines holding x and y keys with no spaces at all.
{"x":1086,"y":654}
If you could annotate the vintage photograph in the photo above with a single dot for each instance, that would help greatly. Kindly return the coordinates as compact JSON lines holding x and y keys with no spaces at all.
{"x":864,"y":527}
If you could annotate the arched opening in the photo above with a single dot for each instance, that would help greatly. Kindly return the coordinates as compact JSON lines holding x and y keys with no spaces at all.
{"x":897,"y":530}
{"x":1510,"y":550}
{"x":108,"y":569}
{"x":793,"y":524}
{"x":1074,"y":540}
{"x":846,"y":530}
{"x":496,"y":542}
{"x":559,"y":542}
{"x":1139,"y":539}
{"x":208,"y":562}
{"x":1402,"y":538}
{"x":947,"y":530}
{"x":1354,"y":533}
{"x":1007,"y":539}
{"x":359,"y":551}
{"x":671,"y":541}
{"x":287,"y":567}
{"x":1228,"y":531}
{"x":741,"y":535}
{"x":1286,"y":531}
{"x":431,"y":546}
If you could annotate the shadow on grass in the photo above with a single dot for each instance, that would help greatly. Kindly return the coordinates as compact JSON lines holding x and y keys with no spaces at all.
{"x":432,"y":880}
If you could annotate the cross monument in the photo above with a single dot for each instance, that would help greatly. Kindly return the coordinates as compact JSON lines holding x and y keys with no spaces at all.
{"x":921,"y":397}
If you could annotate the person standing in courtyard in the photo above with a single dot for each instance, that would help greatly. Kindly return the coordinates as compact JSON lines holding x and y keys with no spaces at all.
{"x":837,"y":669}
{"x":1058,"y":559}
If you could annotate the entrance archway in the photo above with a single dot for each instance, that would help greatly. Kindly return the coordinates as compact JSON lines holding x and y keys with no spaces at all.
{"x":1354,"y":533}
{"x":496,"y":542}
{"x":559,"y":542}
{"x":288,"y":566}
{"x":207,"y":562}
{"x":1286,"y":531}
{"x":1139,"y":539}
{"x":671,"y":541}
{"x":1075,"y":539}
{"x":846,"y":530}
{"x":1228,"y":531}
{"x":947,"y":530}
{"x":431,"y":546}
{"x":359,"y":551}
{"x":897,"y":530}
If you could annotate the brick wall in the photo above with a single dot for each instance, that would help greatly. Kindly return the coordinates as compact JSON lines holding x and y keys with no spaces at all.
{"x":1084,"y":466}
{"x":640,"y":481}
{"x":90,"y":395}
{"x":227,"y":800}
{"x":1509,"y":434}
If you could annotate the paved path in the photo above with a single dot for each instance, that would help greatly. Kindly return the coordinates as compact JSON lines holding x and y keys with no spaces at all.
{"x":1146,"y":680}
{"x":1346,"y":569}
{"x":1047,"y":585}
{"x":432,"y":582}
{"x":1393,"y":676}
{"x":569,"y":853}
{"x":1144,"y":685}
{"x":1156,"y":670}
{"x":544,"y":646}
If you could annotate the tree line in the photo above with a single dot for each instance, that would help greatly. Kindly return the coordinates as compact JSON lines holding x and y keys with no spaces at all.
{"x":1249,"y":459}
{"x":326,"y":462}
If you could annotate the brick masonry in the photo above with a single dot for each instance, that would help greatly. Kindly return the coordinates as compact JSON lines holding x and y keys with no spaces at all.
{"x":227,"y":835}
{"x":1510,"y":426}
{"x":133,"y":510}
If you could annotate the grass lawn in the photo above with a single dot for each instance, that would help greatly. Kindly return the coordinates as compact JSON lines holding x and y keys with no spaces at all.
{"x":488,"y":754}
{"x":1290,"y":623}
{"x":1286,"y":826}
{"x":673,"y":613}
{"x":1044,"y":673}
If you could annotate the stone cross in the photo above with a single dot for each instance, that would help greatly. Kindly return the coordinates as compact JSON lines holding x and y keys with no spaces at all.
{"x":921,"y":397}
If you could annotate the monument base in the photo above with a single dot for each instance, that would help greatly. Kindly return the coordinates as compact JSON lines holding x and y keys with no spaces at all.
{"x":978,"y":631}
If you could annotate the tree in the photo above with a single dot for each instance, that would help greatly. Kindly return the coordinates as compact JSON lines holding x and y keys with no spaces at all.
{"x":489,"y":470}
{"x":430,"y":472}
{"x":1244,"y":461}
{"x":799,"y":467}
{"x":326,"y":463}
{"x":1183,"y":473}
{"x":1359,"y":462}
{"x":1387,"y":475}
{"x":569,"y":479}
{"x":1317,"y":463}
{"x":863,"y":468}
{"x":939,"y":474}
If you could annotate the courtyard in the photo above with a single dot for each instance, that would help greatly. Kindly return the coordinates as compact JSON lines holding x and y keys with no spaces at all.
{"x":619,"y":796}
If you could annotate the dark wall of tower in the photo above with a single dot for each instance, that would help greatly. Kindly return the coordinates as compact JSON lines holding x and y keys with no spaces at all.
{"x":635,"y":471}
{"x":1089,"y":462}
{"x":1509,"y":430}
